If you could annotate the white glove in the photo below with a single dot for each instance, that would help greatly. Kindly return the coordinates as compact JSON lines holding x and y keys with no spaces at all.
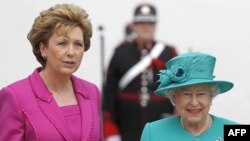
{"x":113,"y":138}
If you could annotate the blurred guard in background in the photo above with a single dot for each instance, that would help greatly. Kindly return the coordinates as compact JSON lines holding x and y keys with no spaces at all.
{"x":128,"y":99}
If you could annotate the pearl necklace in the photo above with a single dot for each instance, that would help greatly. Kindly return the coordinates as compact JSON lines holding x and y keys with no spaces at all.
{"x":204,"y":127}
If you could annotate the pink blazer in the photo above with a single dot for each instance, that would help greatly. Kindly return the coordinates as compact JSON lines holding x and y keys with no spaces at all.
{"x":28,"y":112}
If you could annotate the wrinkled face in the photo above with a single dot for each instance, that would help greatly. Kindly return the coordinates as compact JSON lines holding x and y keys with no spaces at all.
{"x":193,"y":102}
{"x":64,"y":53}
{"x":144,"y":30}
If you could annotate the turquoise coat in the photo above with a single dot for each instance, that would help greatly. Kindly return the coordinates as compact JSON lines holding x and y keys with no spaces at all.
{"x":170,"y":129}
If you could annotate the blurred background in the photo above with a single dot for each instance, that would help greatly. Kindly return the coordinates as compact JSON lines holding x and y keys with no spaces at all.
{"x":219,"y":27}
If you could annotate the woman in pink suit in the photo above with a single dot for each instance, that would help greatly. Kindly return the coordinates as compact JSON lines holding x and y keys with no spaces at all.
{"x":52,"y":104}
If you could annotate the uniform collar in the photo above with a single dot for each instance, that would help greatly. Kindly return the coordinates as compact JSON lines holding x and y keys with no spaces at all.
{"x":144,"y":45}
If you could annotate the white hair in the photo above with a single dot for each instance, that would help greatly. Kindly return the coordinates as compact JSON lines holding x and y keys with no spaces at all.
{"x":215,"y":90}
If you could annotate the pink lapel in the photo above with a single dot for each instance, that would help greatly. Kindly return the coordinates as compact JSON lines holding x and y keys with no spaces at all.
{"x":48,"y":106}
{"x":86,"y":107}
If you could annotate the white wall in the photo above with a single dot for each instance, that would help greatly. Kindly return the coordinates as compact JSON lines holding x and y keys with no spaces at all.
{"x":219,"y":27}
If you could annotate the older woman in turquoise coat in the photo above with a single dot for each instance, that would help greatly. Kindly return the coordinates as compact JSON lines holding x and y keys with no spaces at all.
{"x":189,"y":82}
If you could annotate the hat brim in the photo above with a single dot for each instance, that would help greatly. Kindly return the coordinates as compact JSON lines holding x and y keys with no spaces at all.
{"x":145,"y":19}
{"x":224,"y":86}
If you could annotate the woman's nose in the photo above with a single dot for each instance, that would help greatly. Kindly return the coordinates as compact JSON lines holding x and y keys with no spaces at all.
{"x":71,"y":50}
{"x":194,"y":100}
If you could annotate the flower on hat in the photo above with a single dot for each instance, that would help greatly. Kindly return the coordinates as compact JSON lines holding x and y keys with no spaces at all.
{"x":175,"y":74}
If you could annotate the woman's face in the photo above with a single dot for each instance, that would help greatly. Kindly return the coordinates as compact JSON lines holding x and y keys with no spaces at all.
{"x":193,"y":103}
{"x":64,"y":53}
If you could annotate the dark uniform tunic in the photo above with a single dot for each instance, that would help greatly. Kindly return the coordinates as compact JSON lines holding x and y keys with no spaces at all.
{"x":124,"y":106}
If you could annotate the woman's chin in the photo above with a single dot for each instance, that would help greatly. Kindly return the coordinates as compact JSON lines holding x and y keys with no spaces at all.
{"x":68,"y":71}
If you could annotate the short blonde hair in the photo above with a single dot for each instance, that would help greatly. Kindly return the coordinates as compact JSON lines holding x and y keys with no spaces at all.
{"x":63,"y":17}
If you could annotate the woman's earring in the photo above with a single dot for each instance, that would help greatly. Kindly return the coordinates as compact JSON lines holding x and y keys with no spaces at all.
{"x":44,"y":57}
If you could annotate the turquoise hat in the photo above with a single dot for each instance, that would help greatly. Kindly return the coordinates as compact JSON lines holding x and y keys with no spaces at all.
{"x":188,"y":69}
